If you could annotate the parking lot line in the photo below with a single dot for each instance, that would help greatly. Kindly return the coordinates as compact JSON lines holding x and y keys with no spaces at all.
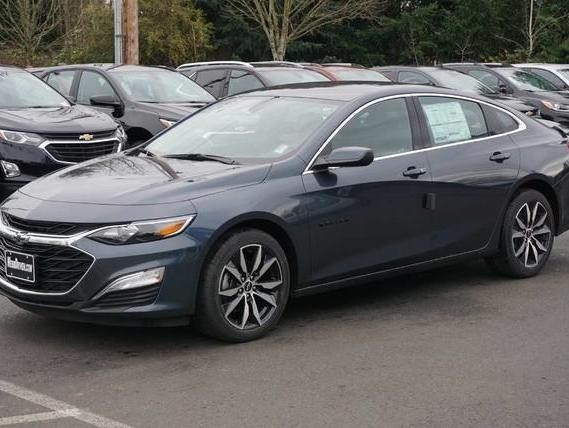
{"x":59,"y":409}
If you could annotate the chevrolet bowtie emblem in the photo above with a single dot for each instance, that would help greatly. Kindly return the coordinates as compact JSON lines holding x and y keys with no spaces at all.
{"x":22,"y":237}
{"x":86,"y":137}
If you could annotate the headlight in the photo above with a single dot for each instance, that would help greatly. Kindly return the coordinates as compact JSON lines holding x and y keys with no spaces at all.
{"x":21,"y":137}
{"x":556,"y":106}
{"x":143,"y":231}
{"x":167,"y":123}
{"x":120,"y":134}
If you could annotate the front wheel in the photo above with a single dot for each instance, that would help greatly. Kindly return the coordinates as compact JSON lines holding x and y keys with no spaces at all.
{"x":245,"y":287}
{"x":527,"y":236}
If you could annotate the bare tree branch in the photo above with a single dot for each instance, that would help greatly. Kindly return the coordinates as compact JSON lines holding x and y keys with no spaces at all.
{"x":284,"y":21}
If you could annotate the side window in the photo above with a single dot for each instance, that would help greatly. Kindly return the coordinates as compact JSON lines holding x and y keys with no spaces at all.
{"x":451,"y":120}
{"x":61,"y":81}
{"x":549,"y":76}
{"x":488,"y":79}
{"x":241,"y":81}
{"x":498,"y":121}
{"x":412,"y":77}
{"x":212,"y":81}
{"x":383,"y":127}
{"x":93,"y":85}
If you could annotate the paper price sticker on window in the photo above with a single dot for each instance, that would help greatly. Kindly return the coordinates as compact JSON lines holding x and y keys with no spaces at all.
{"x":447,"y":122}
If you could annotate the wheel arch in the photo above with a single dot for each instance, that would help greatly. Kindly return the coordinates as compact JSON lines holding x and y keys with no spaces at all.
{"x":542,"y":185}
{"x":137,"y":135}
{"x":267,"y":223}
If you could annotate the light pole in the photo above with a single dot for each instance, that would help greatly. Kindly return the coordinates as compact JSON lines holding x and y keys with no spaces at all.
{"x":117,"y":8}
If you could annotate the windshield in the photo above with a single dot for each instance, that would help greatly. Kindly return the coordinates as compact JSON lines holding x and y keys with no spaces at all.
{"x":360,"y":74}
{"x":248,"y":129}
{"x":20,"y":89}
{"x":462,"y":82}
{"x":524,"y":81}
{"x":160,"y":86}
{"x":285,"y":76}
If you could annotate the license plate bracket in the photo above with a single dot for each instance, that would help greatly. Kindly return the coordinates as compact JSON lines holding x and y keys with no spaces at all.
{"x":20,"y":266}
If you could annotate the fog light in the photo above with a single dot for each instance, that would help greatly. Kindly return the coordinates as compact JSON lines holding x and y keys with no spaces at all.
{"x":134,"y":280}
{"x":10,"y":169}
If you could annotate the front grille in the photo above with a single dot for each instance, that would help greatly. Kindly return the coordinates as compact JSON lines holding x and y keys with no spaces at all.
{"x":80,"y":152}
{"x":57,"y":268}
{"x":48,"y":227}
{"x":128,"y":298}
{"x":75,"y":136}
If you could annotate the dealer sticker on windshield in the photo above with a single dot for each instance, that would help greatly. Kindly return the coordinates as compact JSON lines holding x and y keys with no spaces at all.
{"x":20,"y":266}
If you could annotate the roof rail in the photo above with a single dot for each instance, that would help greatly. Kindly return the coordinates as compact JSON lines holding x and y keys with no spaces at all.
{"x":276,"y":64}
{"x":198,"y":64}
{"x":487,"y":64}
{"x":342,"y":64}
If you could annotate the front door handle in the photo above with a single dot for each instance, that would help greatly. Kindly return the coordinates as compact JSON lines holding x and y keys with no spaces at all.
{"x":414,"y":172}
{"x":500,"y":157}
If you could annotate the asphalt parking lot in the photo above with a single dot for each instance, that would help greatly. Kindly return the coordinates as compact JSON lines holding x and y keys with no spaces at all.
{"x":449,"y":348}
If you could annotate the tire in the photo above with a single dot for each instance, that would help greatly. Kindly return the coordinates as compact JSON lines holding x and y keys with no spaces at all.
{"x":241,"y":302}
{"x":526,"y":238}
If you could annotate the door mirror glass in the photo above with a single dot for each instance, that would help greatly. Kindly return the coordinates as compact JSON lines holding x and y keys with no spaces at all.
{"x":345,"y":157}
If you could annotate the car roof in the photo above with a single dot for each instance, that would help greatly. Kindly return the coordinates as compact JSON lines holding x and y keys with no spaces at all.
{"x":102,"y":66}
{"x":543,"y":66}
{"x":8,"y":67}
{"x":347,"y":91}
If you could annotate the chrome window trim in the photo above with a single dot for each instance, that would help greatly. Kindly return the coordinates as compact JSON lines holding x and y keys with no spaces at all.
{"x":521,"y":127}
{"x":46,"y":143}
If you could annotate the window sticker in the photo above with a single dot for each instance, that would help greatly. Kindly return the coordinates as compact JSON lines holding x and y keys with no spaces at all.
{"x":448,"y":122}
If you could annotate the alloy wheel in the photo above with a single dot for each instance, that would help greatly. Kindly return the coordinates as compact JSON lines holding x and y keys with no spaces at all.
{"x":531,"y":237}
{"x":249,"y":287}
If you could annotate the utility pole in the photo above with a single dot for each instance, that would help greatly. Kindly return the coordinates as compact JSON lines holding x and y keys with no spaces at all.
{"x":117,"y":8}
{"x":130,"y":31}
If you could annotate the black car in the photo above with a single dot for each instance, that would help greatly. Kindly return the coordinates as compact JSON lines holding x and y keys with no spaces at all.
{"x":445,"y":78}
{"x":145,"y":100}
{"x":225,"y":78}
{"x":535,"y":90}
{"x":286,"y":192}
{"x":41,"y":131}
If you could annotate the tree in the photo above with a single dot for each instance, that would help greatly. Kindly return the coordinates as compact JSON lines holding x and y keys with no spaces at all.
{"x":27,"y":25}
{"x":537,"y":23}
{"x":283,"y":21}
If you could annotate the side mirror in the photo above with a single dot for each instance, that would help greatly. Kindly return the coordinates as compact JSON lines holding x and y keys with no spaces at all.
{"x":108,"y":101}
{"x":345,"y":157}
{"x":503,"y":89}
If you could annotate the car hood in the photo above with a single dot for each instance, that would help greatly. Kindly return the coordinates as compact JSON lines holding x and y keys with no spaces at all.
{"x":65,"y":119}
{"x":139,"y":180}
{"x":513,"y":103}
{"x":172,"y":111}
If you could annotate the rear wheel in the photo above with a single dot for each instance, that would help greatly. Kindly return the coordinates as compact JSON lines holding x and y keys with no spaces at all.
{"x":244,"y":289}
{"x":527,"y":236}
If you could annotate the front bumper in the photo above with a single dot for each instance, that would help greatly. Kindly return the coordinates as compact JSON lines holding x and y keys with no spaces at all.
{"x":173,"y":300}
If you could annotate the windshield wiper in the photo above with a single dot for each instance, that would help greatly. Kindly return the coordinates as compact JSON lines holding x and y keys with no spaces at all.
{"x":146,"y":152}
{"x":203,"y":157}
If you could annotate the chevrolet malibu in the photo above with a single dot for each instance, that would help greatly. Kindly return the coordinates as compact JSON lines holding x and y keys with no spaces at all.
{"x":285,"y":192}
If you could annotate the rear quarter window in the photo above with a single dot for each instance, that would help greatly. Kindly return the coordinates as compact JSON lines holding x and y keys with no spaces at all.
{"x":499,"y":122}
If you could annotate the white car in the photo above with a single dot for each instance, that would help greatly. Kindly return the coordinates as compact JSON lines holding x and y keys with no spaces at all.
{"x":557,"y":74}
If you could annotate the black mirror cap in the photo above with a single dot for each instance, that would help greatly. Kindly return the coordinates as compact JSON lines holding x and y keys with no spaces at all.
{"x":345,"y":157}
{"x":105,"y":100}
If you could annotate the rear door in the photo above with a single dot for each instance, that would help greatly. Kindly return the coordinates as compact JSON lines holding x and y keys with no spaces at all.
{"x":474,"y":164}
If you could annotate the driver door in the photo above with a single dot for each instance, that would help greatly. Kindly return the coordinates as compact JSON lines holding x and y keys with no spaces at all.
{"x":367,"y":219}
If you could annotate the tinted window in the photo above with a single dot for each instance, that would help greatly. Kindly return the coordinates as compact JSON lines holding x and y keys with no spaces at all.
{"x":463,"y":82}
{"x":212,"y":81}
{"x":383,"y":127}
{"x":61,"y":80}
{"x":241,"y":81}
{"x":549,"y":76}
{"x":498,"y":121}
{"x":159,"y":86}
{"x":451,"y":120}
{"x":412,"y":77}
{"x":525,"y":81}
{"x":93,"y":85}
{"x":487,"y":78}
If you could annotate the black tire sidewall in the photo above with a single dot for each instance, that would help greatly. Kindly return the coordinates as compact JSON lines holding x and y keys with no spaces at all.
{"x":209,"y":315}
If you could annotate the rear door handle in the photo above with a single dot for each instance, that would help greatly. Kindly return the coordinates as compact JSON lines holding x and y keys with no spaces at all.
{"x":500,"y":157}
{"x":414,"y":172}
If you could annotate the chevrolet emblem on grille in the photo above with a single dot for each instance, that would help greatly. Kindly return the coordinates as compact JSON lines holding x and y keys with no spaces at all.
{"x":86,"y":137}
{"x":22,"y":237}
